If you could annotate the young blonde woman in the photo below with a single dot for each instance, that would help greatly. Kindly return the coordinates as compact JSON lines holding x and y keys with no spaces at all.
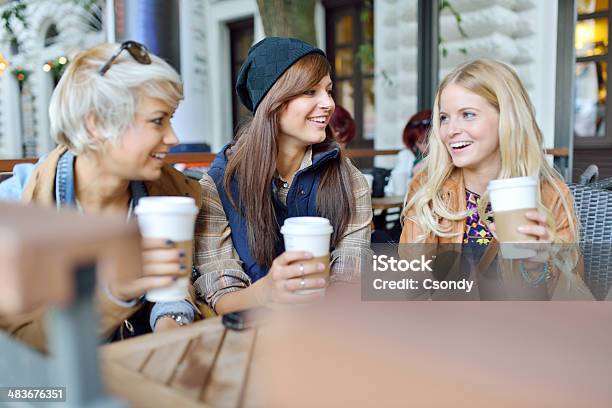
{"x":483,"y":128}
{"x":110,"y":115}
{"x":284,"y":163}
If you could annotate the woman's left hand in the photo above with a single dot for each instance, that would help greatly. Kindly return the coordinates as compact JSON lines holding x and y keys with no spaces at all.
{"x":541,"y":235}
{"x":539,"y":231}
{"x":162,"y":264}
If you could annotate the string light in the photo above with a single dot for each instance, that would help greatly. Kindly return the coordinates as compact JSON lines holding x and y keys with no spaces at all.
{"x":20,"y":73}
{"x":3,"y":64}
{"x":56,"y":65}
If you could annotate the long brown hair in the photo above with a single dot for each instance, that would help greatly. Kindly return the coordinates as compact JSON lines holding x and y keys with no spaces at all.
{"x":252,"y":162}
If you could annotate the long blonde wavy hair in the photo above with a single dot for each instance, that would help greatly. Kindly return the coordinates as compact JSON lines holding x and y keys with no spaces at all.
{"x":520,"y":146}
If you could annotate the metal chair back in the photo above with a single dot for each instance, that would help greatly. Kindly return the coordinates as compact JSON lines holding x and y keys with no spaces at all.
{"x":604,"y":184}
{"x":589,"y":175}
{"x":594,"y":210}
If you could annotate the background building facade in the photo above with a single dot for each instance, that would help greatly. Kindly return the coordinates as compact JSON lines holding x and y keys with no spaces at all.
{"x":372,"y":47}
{"x":53,"y":30}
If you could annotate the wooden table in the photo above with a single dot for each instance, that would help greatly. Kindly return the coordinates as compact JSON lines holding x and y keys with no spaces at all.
{"x":344,"y":352}
{"x":385,"y":203}
{"x":200,"y":365}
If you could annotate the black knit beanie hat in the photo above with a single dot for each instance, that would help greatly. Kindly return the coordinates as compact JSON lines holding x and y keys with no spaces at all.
{"x":266,"y":62}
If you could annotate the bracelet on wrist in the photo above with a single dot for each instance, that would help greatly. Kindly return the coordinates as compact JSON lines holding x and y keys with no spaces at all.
{"x":541,"y":276}
{"x":120,"y":302}
{"x":180,"y":318}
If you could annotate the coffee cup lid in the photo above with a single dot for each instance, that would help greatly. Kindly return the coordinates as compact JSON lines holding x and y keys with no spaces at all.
{"x":166,"y":205}
{"x":512,"y":183}
{"x":307,"y":226}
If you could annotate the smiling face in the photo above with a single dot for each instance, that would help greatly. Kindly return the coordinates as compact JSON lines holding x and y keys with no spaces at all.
{"x":304,"y":119}
{"x":469,"y":127}
{"x":142,"y":147}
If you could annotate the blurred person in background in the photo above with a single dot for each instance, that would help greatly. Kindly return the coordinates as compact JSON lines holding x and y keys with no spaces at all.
{"x":409,"y":159}
{"x":342,"y":126}
{"x":110,"y":115}
{"x":414,"y":136}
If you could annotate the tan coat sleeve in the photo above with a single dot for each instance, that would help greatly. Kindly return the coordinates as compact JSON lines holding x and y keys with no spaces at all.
{"x":410,"y":229}
{"x":28,"y":328}
{"x":110,"y":314}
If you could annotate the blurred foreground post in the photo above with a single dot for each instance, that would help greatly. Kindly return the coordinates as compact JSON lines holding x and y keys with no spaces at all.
{"x":50,"y":259}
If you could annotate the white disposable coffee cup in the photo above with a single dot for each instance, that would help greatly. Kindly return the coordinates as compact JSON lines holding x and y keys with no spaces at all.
{"x":517,"y":193}
{"x":400,"y":182}
{"x":309,"y":234}
{"x":170,"y":218}
{"x":513,"y":193}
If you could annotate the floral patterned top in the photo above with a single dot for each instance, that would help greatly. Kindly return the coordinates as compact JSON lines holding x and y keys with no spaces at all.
{"x":475,"y":230}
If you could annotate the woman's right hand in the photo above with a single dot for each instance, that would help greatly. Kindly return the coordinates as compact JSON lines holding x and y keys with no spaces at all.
{"x":288,"y":275}
{"x":162,"y":264}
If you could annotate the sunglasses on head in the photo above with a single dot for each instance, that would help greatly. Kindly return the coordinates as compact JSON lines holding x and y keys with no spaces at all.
{"x":425,"y":123}
{"x":137,"y":50}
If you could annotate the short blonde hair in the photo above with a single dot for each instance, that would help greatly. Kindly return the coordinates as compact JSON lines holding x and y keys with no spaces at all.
{"x":113,"y":99}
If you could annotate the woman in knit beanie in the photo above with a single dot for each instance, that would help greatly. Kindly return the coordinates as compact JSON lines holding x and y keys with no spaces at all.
{"x":283,"y":163}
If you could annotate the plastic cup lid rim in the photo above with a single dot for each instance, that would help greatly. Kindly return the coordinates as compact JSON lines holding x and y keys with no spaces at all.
{"x":166,"y":205}
{"x":512,"y":182}
{"x":307,"y":226}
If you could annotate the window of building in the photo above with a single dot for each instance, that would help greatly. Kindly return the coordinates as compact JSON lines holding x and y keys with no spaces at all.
{"x":51,"y":35}
{"x":241,"y":39}
{"x":591,"y":113}
{"x":95,"y":17}
{"x":350,"y":49}
{"x":14,"y":47}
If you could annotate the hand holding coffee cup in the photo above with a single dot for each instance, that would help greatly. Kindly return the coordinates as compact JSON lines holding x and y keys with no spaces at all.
{"x":162,"y":265}
{"x":291,"y":273}
{"x":539,"y":231}
{"x":538,"y":228}
{"x":312,"y":234}
{"x":167,"y":226}
{"x":514,"y":204}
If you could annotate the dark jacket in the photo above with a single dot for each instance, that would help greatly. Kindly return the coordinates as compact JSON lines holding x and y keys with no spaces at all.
{"x":301,"y":201}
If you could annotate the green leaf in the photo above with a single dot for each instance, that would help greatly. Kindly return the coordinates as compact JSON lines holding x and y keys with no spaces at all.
{"x":458,"y":19}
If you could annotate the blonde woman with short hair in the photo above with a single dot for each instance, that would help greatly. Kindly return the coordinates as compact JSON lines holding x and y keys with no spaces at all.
{"x":110,"y":115}
{"x":483,"y":128}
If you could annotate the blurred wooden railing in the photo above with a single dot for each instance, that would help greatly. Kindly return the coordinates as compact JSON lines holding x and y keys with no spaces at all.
{"x":204,"y":159}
